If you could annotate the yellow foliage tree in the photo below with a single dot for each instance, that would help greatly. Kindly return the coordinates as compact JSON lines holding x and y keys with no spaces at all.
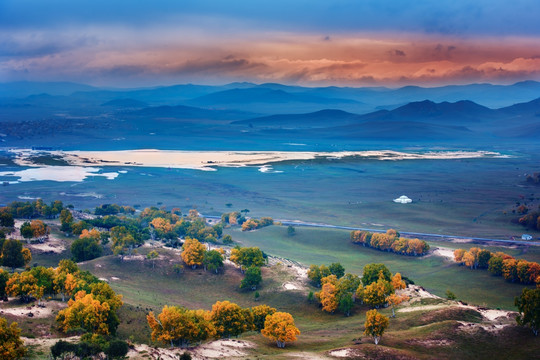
{"x":27,"y":255}
{"x":85,"y":312}
{"x":259,"y":315}
{"x":328,"y":297}
{"x":38,"y":228}
{"x":397,"y":282}
{"x":24,"y":285}
{"x":11,"y":345}
{"x":375,"y":293}
{"x":280,"y":328}
{"x":458,"y":255}
{"x":175,"y":324}
{"x":193,"y":253}
{"x":230,"y":319}
{"x":375,"y":325}
{"x":93,"y":234}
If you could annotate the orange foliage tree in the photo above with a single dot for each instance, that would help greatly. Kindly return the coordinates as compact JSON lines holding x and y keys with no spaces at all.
{"x":87,"y":313}
{"x":375,"y":325}
{"x":259,"y":315}
{"x":193,"y":254}
{"x":280,"y":328}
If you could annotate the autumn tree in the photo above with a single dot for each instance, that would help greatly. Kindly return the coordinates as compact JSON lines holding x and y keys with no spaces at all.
{"x":213,"y":260}
{"x":4,"y":277}
{"x":176,"y":324}
{"x":375,"y":325}
{"x":252,"y":278}
{"x":316,"y":273}
{"x":229,"y":319}
{"x":11,"y":344}
{"x":152,"y":256}
{"x":87,"y":246}
{"x":528,"y":304}
{"x":259,"y":316}
{"x":375,"y":294}
{"x":397,"y":282}
{"x":193,"y":253}
{"x":328,"y":297}
{"x":394,"y":300}
{"x":89,"y":314}
{"x":24,"y":285}
{"x":458,"y":255}
{"x":38,"y":228}
{"x":280,"y":328}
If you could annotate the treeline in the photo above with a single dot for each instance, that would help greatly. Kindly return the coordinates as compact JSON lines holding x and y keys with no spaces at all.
{"x":183,"y":327}
{"x":531,"y":220}
{"x":340,"y":290}
{"x":390,"y":241}
{"x":499,"y":264}
{"x":34,"y":209}
{"x":253,"y":224}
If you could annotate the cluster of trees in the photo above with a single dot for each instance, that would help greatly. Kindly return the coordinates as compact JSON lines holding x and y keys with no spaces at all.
{"x":234,"y":218}
{"x":340,"y":290}
{"x":180,"y":326}
{"x":500,"y":264}
{"x":253,"y":224}
{"x":113,"y":209}
{"x":34,"y":209}
{"x":34,"y":229}
{"x":391,"y":241}
{"x":250,"y":260}
{"x":531,"y":220}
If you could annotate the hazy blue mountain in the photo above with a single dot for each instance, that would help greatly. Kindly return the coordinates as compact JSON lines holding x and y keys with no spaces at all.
{"x":187,"y":112}
{"x":322,"y":118}
{"x":21,"y":89}
{"x":125,"y":103}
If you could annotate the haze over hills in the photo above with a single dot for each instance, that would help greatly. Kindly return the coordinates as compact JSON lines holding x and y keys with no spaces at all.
{"x":264,"y":115}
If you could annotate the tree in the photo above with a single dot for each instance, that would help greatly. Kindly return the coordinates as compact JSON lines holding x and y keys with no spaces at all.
{"x":229,"y":319}
{"x":328,"y":297}
{"x":89,"y":314}
{"x":24,"y":285}
{"x":66,"y":219}
{"x":213,"y":260}
{"x":79,"y":226}
{"x":176,"y":324}
{"x":6,"y":219}
{"x":259,"y":316}
{"x":528,"y":304}
{"x":394,"y":300}
{"x":116,"y":349}
{"x":346,"y":303}
{"x":458,"y":255}
{"x":193,"y":254}
{"x":280,"y":328}
{"x":38,"y":228}
{"x":316,"y":273}
{"x":86,"y":248}
{"x":247,"y":256}
{"x":12,"y":254}
{"x":483,"y":258}
{"x":291,"y":230}
{"x":152,"y":256}
{"x":375,"y":325}
{"x":26,"y":230}
{"x":252,"y":279}
{"x":337,"y":269}
{"x":371,"y":273}
{"x":11,"y":345}
{"x":397,"y":282}
{"x":375,"y":294}
{"x":4,"y":277}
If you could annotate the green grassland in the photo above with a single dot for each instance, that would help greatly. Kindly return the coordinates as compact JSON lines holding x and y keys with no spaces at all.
{"x":324,"y":246}
{"x":417,"y":334}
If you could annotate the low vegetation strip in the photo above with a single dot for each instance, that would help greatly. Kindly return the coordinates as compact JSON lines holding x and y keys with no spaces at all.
{"x":391,"y":241}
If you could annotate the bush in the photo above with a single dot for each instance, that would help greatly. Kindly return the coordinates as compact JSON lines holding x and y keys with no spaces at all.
{"x":117,"y":349}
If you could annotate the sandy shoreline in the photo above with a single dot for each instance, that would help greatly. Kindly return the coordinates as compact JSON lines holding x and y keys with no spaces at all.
{"x":209,"y":160}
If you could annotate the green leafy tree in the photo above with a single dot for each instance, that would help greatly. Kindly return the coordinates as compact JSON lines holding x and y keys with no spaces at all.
{"x":152,"y":256}
{"x":85,"y":248}
{"x":12,"y":254}
{"x":26,"y":230}
{"x":66,"y":219}
{"x":371,"y":273}
{"x":4,"y":277}
{"x":290,"y":230}
{"x":213,"y":260}
{"x":337,"y":269}
{"x":346,"y":303}
{"x":528,"y":304}
{"x":247,"y":256}
{"x":252,"y":279}
{"x":116,"y":349}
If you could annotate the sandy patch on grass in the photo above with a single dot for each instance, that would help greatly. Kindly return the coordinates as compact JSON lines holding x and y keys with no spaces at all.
{"x":342,"y":353}
{"x":219,"y":349}
{"x":444,"y":252}
{"x":472,"y":328}
{"x":33,"y":310}
{"x":114,"y":278}
{"x":306,"y":355}
{"x":421,"y":308}
{"x":417,"y":293}
{"x":290,"y":286}
{"x":44,"y":344}
{"x":53,"y":244}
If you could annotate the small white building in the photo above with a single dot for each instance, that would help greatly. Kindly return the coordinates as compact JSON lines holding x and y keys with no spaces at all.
{"x":403,"y":200}
{"x":526,"y":237}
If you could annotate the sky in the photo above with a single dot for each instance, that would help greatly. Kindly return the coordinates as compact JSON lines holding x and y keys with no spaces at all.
{"x":127,"y":43}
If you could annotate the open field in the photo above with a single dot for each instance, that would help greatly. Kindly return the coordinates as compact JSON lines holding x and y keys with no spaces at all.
{"x":324,"y":246}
